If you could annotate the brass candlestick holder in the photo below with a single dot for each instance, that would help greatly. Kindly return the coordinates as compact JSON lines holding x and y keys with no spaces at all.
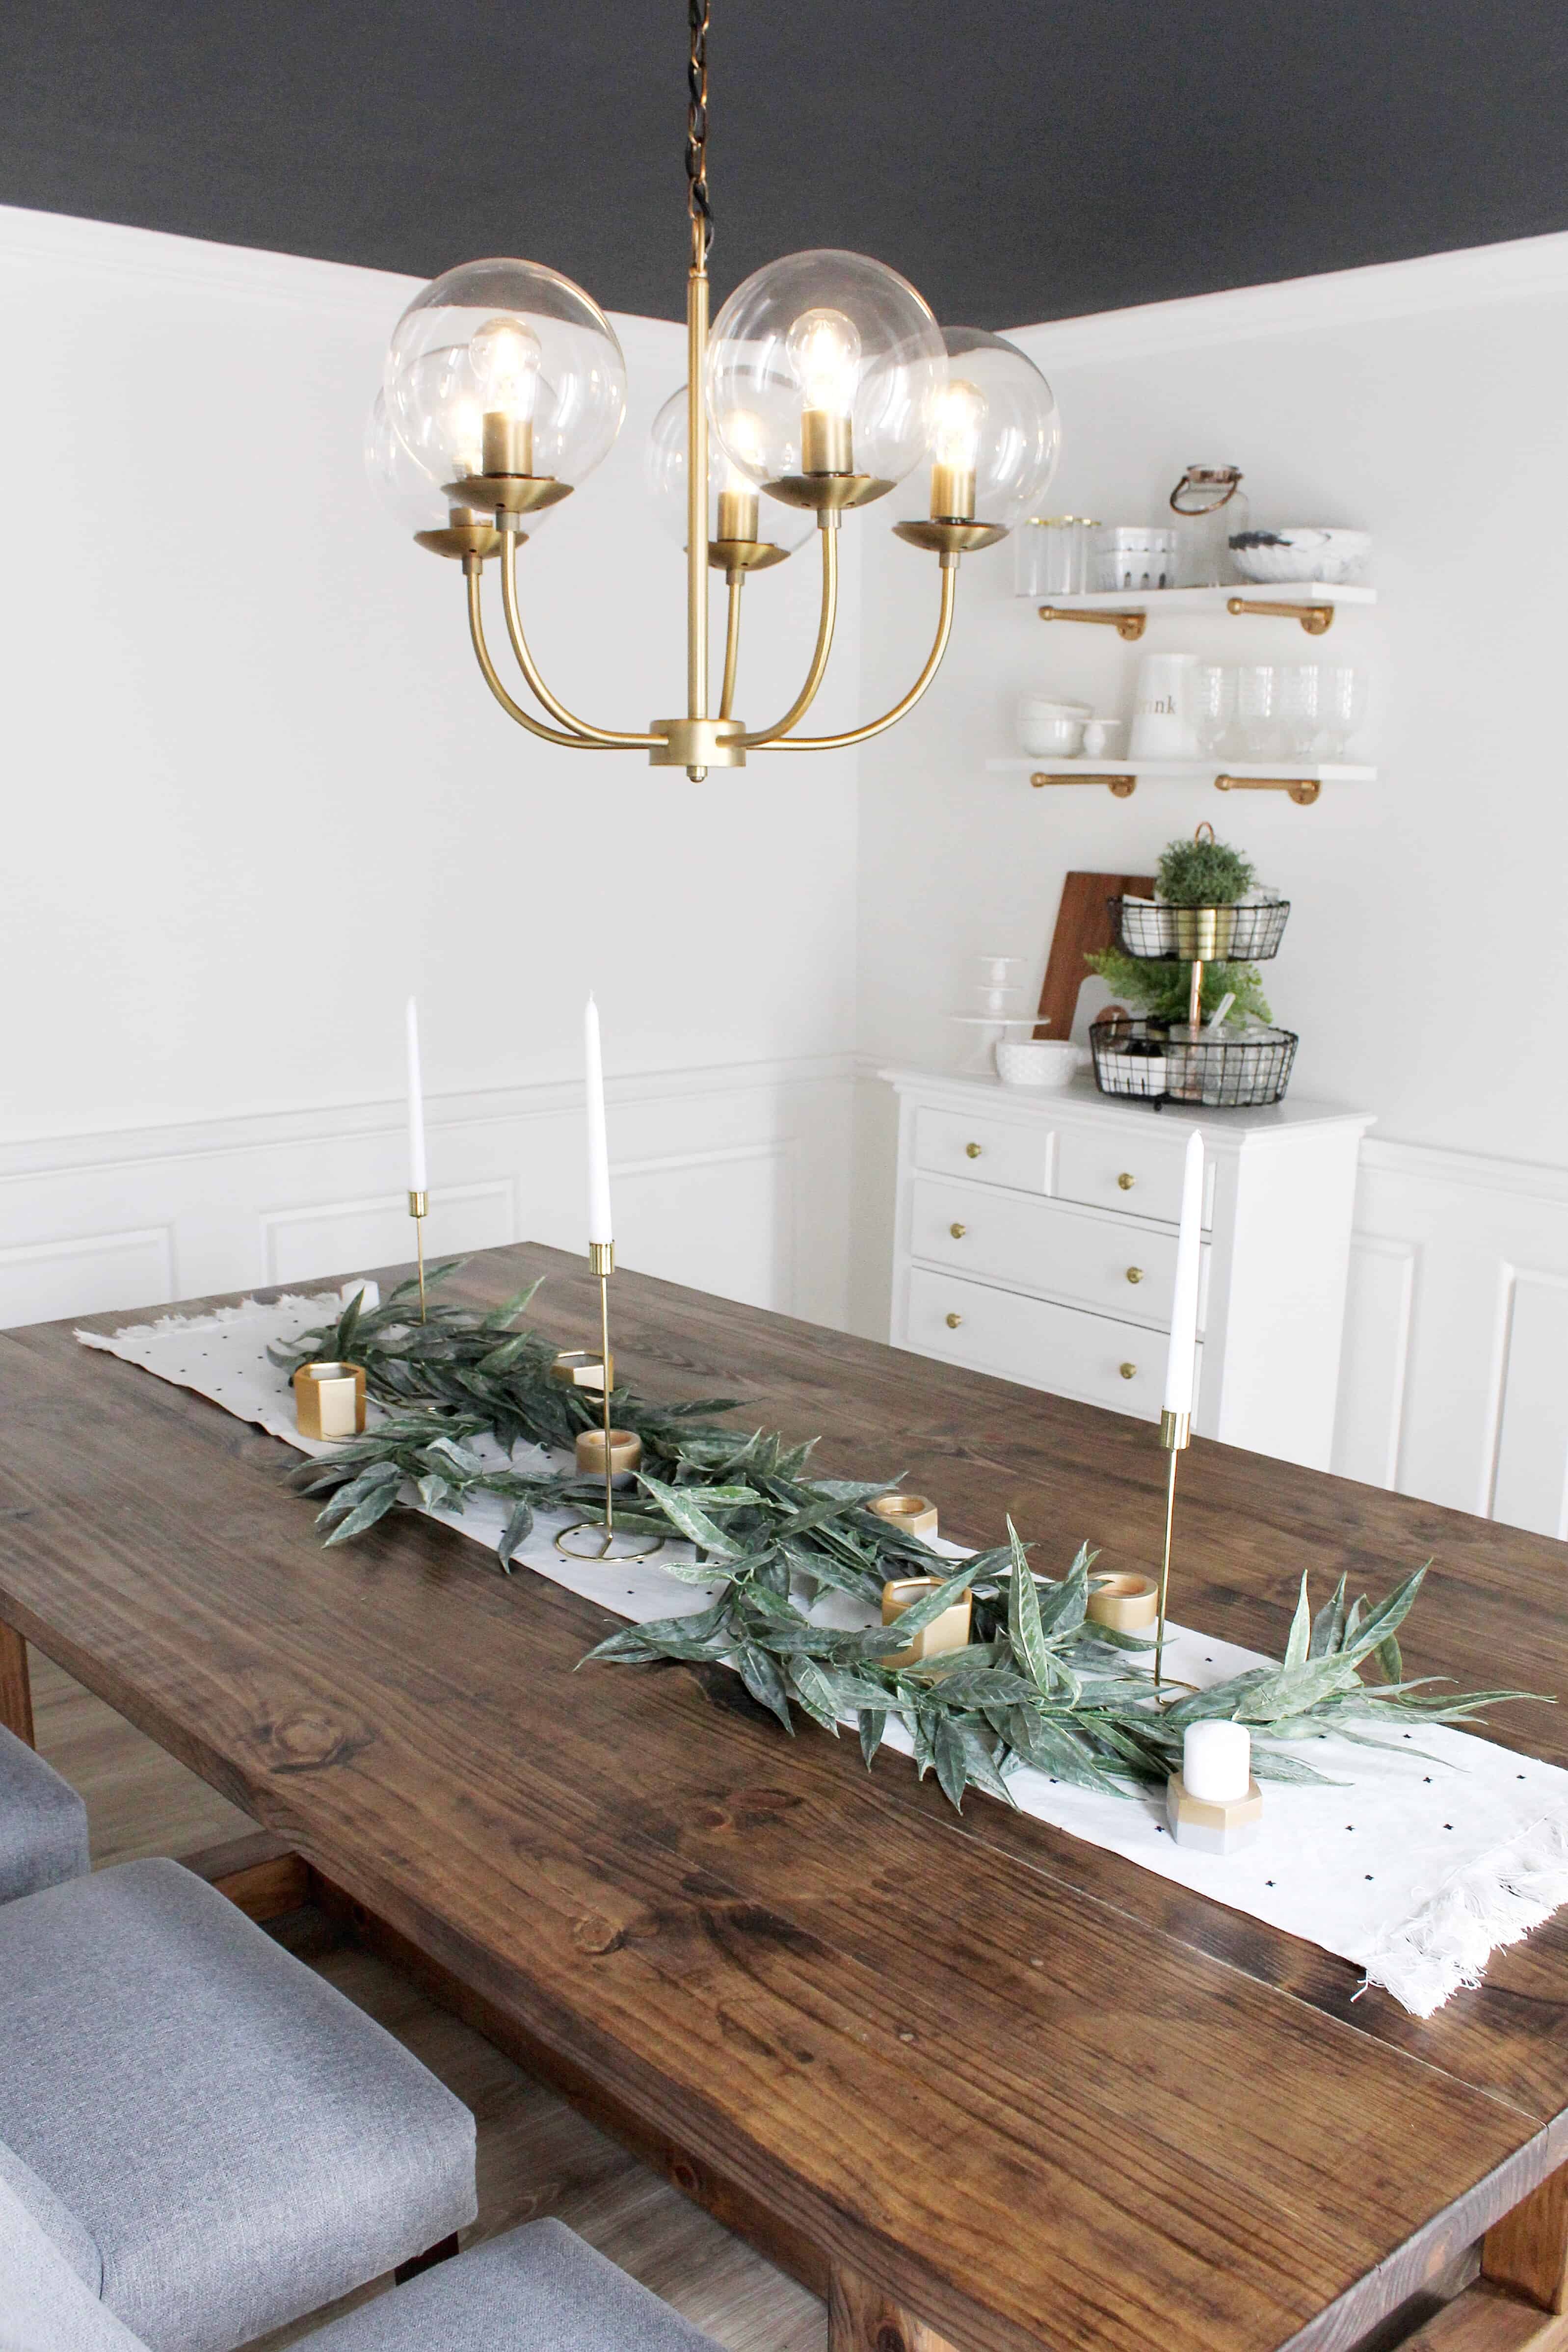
{"x":578,"y":1368}
{"x":419,"y":1209}
{"x":1175,"y":1436}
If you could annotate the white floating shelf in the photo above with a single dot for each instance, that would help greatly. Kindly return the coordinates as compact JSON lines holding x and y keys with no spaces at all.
{"x":1251,"y":770}
{"x":1159,"y":602}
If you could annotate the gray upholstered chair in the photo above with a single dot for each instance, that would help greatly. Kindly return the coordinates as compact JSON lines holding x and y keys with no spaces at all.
{"x":539,"y":2289}
{"x":42,"y":1823}
{"x":224,"y":2143}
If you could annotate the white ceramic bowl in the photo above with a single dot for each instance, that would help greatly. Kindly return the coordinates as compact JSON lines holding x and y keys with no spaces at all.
{"x":1039,"y":1061}
{"x":1301,"y":552}
{"x":1051,"y":729}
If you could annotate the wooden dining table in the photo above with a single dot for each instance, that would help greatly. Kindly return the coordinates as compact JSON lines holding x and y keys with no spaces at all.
{"x":981,"y":2083}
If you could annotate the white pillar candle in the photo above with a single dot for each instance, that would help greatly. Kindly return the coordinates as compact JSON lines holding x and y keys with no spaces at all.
{"x":419,"y":1180}
{"x":599,"y":1227}
{"x":1180,"y":1362}
{"x":1216,"y":1761}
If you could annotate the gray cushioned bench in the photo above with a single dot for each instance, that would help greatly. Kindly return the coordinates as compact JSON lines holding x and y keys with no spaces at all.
{"x":42,"y":1823}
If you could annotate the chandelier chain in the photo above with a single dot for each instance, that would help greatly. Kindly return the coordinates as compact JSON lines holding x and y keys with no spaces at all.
{"x":697,"y":130}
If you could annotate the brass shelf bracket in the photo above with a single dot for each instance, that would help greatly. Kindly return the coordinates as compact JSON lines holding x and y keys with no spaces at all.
{"x":1123,"y":787}
{"x":1303,"y":789}
{"x":1316,"y":619}
{"x":1126,"y":625}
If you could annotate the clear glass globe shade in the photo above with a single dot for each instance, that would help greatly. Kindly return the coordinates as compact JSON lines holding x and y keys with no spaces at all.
{"x":996,"y":419}
{"x":777,"y":525}
{"x":401,"y":486}
{"x":831,"y":336}
{"x":512,"y":341}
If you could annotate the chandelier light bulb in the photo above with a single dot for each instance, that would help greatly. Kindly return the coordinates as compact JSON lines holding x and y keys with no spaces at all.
{"x":507,"y":356}
{"x":732,"y":499}
{"x":823,"y":347}
{"x":961,"y":411}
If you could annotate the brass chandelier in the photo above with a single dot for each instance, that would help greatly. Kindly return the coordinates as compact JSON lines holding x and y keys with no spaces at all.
{"x":824,"y":382}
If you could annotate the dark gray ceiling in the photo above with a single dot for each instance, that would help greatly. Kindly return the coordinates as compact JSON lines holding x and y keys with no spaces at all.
{"x":1025,"y":161}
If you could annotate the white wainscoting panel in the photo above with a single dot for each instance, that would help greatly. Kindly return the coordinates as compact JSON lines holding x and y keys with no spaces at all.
{"x":1453,"y":1381}
{"x":709,"y":1170}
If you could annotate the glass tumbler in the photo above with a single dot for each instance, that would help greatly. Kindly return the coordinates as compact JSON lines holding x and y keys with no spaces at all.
{"x":1342,"y":709}
{"x":1296,"y":707}
{"x":1257,"y":722}
{"x":1051,"y":556}
{"x":1212,"y":699}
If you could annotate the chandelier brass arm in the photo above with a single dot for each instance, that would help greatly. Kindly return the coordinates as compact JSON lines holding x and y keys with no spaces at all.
{"x":889,"y":718}
{"x":603,"y":738}
{"x":829,"y":533}
{"x":731,"y":646}
{"x":471,"y":565}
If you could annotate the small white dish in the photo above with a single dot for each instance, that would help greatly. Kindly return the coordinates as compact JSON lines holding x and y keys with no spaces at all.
{"x":1051,"y":730}
{"x":1300,"y":552}
{"x":1099,"y":737}
{"x":1039,"y":1061}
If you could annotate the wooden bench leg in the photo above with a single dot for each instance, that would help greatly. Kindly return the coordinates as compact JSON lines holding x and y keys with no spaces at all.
{"x":441,"y":2252}
{"x":16,"y":1689}
{"x":1527,"y":2250}
{"x":860,"y":2318}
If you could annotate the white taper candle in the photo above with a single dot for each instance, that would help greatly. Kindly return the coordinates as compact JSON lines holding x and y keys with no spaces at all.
{"x":599,"y":1227}
{"x":1216,"y":1762}
{"x":1179,"y":1363}
{"x":419,"y":1180}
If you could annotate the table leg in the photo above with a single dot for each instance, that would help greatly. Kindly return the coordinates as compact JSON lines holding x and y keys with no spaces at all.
{"x":16,"y":1690}
{"x":1527,"y":2250}
{"x":860,"y":2318}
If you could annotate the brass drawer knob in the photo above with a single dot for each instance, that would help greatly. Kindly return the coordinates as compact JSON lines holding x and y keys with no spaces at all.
{"x":953,"y":1320}
{"x":973,"y":1151}
{"x":1126,"y":1181}
{"x":1128,"y":1371}
{"x":1134,"y":1273}
{"x":958,"y":1231}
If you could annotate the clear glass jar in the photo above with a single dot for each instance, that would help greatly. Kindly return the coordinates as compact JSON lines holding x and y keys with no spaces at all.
{"x":1051,"y":557}
{"x":1210,"y":505}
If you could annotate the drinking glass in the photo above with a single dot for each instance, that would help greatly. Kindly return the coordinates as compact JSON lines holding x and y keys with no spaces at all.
{"x":1212,"y":699}
{"x":1256,"y":723}
{"x":1298,"y":702}
{"x":1342,"y":709}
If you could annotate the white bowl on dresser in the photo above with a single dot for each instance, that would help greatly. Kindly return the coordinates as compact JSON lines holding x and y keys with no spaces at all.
{"x":1036,"y":1238}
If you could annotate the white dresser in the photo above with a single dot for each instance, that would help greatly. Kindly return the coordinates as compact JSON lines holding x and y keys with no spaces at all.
{"x":1036,"y":1238}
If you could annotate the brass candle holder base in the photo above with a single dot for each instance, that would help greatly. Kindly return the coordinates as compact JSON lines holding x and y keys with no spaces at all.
{"x":419,"y":1209}
{"x":948,"y":1632}
{"x":1126,"y":1604}
{"x":916,"y":1514}
{"x":626,"y":1451}
{"x":1211,"y":1828}
{"x":584,"y":1541}
{"x":329,"y":1400}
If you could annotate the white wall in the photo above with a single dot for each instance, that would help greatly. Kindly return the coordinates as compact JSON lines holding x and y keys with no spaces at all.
{"x":259,"y":793}
{"x":1424,"y":963}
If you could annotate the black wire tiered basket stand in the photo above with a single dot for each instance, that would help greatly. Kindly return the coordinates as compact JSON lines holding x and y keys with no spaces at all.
{"x":1161,"y":1062}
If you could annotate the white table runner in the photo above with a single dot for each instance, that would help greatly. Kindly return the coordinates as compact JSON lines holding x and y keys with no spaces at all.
{"x":1417,"y":1868}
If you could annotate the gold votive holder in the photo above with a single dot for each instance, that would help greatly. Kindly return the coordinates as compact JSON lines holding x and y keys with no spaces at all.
{"x":916,"y":1514}
{"x":626,"y":1451}
{"x":1211,"y":1828}
{"x":329,"y":1400}
{"x":582,"y":1367}
{"x":1126,"y":1604}
{"x":948,"y":1632}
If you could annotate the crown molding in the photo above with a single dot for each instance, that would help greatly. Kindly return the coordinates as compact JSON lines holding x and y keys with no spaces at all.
{"x":1518,"y":271}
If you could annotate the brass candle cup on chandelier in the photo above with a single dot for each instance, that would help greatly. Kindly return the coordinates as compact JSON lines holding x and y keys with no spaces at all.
{"x":948,"y":1632}
{"x":329,"y":1400}
{"x":915,"y":1514}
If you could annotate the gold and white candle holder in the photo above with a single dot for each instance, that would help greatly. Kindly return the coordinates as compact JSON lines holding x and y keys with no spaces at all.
{"x":419,"y":1209}
{"x":329,"y":1400}
{"x":582,"y":1367}
{"x":915,"y":1514}
{"x":1209,"y":1827}
{"x":626,"y":1452}
{"x":1128,"y":1604}
{"x":948,"y":1632}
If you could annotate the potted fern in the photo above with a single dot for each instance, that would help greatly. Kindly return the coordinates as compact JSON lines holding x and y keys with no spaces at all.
{"x":1199,"y":883}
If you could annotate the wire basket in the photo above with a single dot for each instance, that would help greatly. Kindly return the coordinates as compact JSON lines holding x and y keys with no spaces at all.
{"x":1162,"y":934}
{"x":1160,"y":1064}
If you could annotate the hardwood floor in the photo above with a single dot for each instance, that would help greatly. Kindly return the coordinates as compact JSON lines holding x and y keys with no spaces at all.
{"x":536,"y":2155}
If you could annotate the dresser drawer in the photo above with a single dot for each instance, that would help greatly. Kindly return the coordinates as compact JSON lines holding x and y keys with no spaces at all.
{"x":1063,"y":1349}
{"x":1139,"y":1173}
{"x":987,"y":1150}
{"x":1104,"y":1262}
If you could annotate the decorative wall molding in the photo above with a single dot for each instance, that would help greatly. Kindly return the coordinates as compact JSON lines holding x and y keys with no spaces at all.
{"x":711,"y":1168}
{"x":1340,"y":299}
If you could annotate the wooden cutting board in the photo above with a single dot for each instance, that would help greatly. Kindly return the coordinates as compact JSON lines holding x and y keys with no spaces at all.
{"x":1084,"y":926}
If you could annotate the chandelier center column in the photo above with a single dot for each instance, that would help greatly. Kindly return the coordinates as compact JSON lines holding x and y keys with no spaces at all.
{"x":696,"y":482}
